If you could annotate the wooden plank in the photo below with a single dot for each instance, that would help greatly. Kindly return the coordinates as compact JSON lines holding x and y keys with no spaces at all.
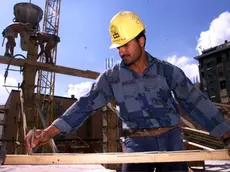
{"x":202,"y":138}
{"x":195,"y":130}
{"x":194,"y":163}
{"x":55,"y":168}
{"x":52,"y":68}
{"x":198,"y":145}
{"x":116,"y":158}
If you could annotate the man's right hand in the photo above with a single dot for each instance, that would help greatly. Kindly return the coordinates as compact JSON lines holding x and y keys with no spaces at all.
{"x":41,"y":137}
{"x":226,"y":140}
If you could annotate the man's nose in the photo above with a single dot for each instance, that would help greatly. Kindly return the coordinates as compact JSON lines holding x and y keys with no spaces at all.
{"x":122,"y":49}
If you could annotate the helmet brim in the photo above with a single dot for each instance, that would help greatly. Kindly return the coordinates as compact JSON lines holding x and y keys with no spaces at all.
{"x":114,"y":46}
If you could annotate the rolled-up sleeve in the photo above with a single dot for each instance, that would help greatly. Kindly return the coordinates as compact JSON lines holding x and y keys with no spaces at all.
{"x":99,"y":95}
{"x":195,"y":103}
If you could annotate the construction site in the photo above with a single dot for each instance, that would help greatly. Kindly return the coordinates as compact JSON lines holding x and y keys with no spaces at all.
{"x":97,"y":145}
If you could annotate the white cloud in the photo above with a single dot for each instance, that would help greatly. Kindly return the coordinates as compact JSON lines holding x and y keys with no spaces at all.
{"x":3,"y":91}
{"x":79,"y":90}
{"x":187,"y":64}
{"x":219,"y":31}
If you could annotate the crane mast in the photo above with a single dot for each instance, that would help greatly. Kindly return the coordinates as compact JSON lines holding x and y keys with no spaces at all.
{"x":46,"y":79}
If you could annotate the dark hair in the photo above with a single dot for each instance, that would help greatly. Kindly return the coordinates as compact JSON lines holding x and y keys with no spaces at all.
{"x":4,"y":32}
{"x":142,"y":34}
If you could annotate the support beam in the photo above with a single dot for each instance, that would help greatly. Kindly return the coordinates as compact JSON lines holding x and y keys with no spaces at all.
{"x":52,"y":68}
{"x":116,"y":158}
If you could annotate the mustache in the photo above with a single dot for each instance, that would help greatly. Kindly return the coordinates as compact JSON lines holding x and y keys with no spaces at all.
{"x":123,"y":55}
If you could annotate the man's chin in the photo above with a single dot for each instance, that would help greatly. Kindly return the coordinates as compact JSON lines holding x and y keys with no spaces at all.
{"x":127,"y":63}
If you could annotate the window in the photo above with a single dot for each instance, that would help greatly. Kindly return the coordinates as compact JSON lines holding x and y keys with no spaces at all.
{"x":201,"y":64}
{"x":228,"y":56}
{"x":209,"y":76}
{"x":222,"y":84}
{"x":221,"y":74}
{"x":202,"y":74}
{"x":212,"y":89}
{"x":218,"y":59}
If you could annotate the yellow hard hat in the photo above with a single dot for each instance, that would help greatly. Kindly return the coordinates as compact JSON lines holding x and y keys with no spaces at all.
{"x":124,"y":27}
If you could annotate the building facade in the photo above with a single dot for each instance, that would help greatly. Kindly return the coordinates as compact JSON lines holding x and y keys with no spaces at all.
{"x":214,"y":69}
{"x":87,"y":139}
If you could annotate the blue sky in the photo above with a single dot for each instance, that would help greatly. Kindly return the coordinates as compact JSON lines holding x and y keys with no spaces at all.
{"x":173,"y":28}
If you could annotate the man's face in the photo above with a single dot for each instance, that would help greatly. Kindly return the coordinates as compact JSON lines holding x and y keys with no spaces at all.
{"x":130,"y":52}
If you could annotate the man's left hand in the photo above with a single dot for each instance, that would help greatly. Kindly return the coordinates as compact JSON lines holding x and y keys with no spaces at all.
{"x":228,"y":145}
{"x":226,"y":140}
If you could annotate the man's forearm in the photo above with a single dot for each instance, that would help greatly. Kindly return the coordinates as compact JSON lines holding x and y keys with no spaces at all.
{"x":81,"y":110}
{"x":196,"y":104}
{"x":51,"y":131}
{"x":41,"y":50}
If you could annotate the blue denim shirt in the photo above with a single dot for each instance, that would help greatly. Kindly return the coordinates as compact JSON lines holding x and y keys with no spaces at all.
{"x":146,"y":101}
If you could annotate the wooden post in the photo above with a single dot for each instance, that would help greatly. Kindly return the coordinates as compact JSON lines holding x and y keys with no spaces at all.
{"x":110,"y":133}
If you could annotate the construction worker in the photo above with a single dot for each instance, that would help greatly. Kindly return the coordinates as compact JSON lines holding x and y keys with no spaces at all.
{"x":141,"y":85}
{"x":11,"y":32}
{"x":47,"y":43}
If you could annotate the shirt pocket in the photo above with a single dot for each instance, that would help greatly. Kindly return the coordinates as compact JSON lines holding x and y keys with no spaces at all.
{"x":151,"y":89}
{"x":152,"y":93}
{"x":130,"y":92}
{"x":129,"y":89}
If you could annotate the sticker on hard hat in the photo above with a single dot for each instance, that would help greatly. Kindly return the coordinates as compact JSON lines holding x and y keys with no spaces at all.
{"x":118,"y":40}
{"x":114,"y":32}
{"x":134,"y":17}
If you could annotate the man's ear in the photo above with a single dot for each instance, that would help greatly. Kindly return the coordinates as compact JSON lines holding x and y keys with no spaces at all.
{"x":142,"y":41}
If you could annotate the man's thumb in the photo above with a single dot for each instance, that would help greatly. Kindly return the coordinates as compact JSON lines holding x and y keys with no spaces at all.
{"x":35,"y":143}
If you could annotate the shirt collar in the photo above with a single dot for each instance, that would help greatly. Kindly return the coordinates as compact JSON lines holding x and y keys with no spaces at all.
{"x":151,"y":60}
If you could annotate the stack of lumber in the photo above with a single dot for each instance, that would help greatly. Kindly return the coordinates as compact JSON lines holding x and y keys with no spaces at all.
{"x":202,"y":138}
{"x":194,"y":133}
